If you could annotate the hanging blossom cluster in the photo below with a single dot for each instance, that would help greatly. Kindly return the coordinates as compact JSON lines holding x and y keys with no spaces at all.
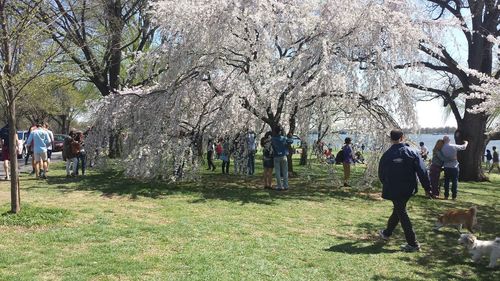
{"x":488,"y":91}
{"x":225,"y":67}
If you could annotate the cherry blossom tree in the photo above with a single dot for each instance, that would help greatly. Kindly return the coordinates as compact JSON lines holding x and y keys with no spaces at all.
{"x":233,"y":65}
{"x":459,"y":60}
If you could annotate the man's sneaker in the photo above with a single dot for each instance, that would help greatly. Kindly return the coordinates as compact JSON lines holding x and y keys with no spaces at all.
{"x":409,"y":249}
{"x":382,"y":235}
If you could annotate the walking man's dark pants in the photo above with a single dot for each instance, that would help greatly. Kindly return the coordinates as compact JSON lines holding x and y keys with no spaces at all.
{"x":399,"y":214}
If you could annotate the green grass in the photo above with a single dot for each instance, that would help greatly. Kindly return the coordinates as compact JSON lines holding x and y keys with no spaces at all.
{"x":34,"y":216}
{"x":107,"y":227}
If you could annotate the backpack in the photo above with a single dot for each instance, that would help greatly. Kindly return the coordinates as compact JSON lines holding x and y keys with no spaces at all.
{"x":339,"y":158}
{"x":75,"y":148}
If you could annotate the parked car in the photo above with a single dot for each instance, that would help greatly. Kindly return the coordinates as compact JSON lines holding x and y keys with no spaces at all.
{"x":58,"y":142}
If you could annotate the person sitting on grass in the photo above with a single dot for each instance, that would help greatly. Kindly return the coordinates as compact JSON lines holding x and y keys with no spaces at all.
{"x":359,"y":157}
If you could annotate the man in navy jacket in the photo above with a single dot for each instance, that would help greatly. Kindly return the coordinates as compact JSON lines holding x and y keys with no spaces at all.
{"x":397,"y":169}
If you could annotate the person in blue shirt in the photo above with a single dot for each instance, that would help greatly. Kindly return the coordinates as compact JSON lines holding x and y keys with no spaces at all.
{"x":39,"y":139}
{"x":280,"y":151}
{"x":397,"y":169}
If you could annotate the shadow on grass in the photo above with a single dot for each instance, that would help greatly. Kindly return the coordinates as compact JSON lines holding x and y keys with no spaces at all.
{"x":444,"y":258}
{"x":233,"y":188}
{"x":359,"y":248}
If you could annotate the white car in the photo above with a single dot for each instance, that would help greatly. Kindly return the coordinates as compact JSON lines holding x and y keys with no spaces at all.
{"x":21,"y":148}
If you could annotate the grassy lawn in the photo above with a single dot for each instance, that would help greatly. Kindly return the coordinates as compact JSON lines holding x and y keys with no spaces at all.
{"x":106,"y":227}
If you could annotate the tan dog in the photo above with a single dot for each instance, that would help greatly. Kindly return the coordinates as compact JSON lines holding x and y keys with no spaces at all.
{"x":459,"y":218}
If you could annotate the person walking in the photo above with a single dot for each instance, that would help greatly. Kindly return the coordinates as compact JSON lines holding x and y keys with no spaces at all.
{"x":40,"y":140}
{"x":225,"y":155}
{"x":81,"y":158}
{"x":29,"y":150}
{"x":210,"y":155}
{"x":495,"y":160}
{"x":489,"y":157}
{"x":267,"y":160}
{"x":50,"y":147}
{"x":397,"y":169}
{"x":251,"y":148}
{"x":5,"y":146}
{"x":279,"y":143}
{"x":70,"y":154}
{"x":437,"y":162}
{"x":348,"y":160}
{"x":451,"y":169}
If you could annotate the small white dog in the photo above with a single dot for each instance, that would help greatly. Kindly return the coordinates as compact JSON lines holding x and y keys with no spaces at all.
{"x":479,"y":248}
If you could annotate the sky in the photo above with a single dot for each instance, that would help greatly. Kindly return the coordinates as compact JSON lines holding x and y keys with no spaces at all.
{"x":432,"y":114}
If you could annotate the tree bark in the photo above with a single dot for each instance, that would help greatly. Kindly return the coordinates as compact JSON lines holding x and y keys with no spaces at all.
{"x":15,"y":196}
{"x":116,"y":25}
{"x":8,"y":86}
{"x":303,"y":153}
{"x":115,"y":145}
{"x":472,"y":130}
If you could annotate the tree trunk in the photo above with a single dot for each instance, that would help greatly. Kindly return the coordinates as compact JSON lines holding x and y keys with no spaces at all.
{"x":115,"y":145}
{"x":472,"y":130}
{"x":116,"y":25}
{"x":303,"y":154}
{"x":15,"y":196}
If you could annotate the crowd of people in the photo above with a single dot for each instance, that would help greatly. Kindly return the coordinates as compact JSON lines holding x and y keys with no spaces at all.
{"x":241,"y":148}
{"x":39,"y":146}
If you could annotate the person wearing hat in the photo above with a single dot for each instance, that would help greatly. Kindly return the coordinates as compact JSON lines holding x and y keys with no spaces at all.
{"x":397,"y":169}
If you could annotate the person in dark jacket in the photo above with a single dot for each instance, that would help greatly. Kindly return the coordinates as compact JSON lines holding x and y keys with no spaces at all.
{"x":397,"y":169}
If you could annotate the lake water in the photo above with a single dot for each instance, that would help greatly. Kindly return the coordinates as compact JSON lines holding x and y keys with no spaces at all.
{"x":429,"y":140}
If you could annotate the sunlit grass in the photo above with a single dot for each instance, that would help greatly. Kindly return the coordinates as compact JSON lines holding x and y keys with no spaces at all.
{"x":229,"y":228}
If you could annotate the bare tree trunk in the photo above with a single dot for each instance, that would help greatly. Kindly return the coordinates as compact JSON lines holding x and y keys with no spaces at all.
{"x":8,"y":87}
{"x":303,"y":153}
{"x":115,"y":145}
{"x":470,"y":159}
{"x":116,"y":25}
{"x":15,"y":196}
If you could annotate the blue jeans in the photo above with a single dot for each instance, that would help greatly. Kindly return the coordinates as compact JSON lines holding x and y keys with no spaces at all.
{"x":82,"y":158}
{"x":281,"y":172}
{"x":451,"y":174}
